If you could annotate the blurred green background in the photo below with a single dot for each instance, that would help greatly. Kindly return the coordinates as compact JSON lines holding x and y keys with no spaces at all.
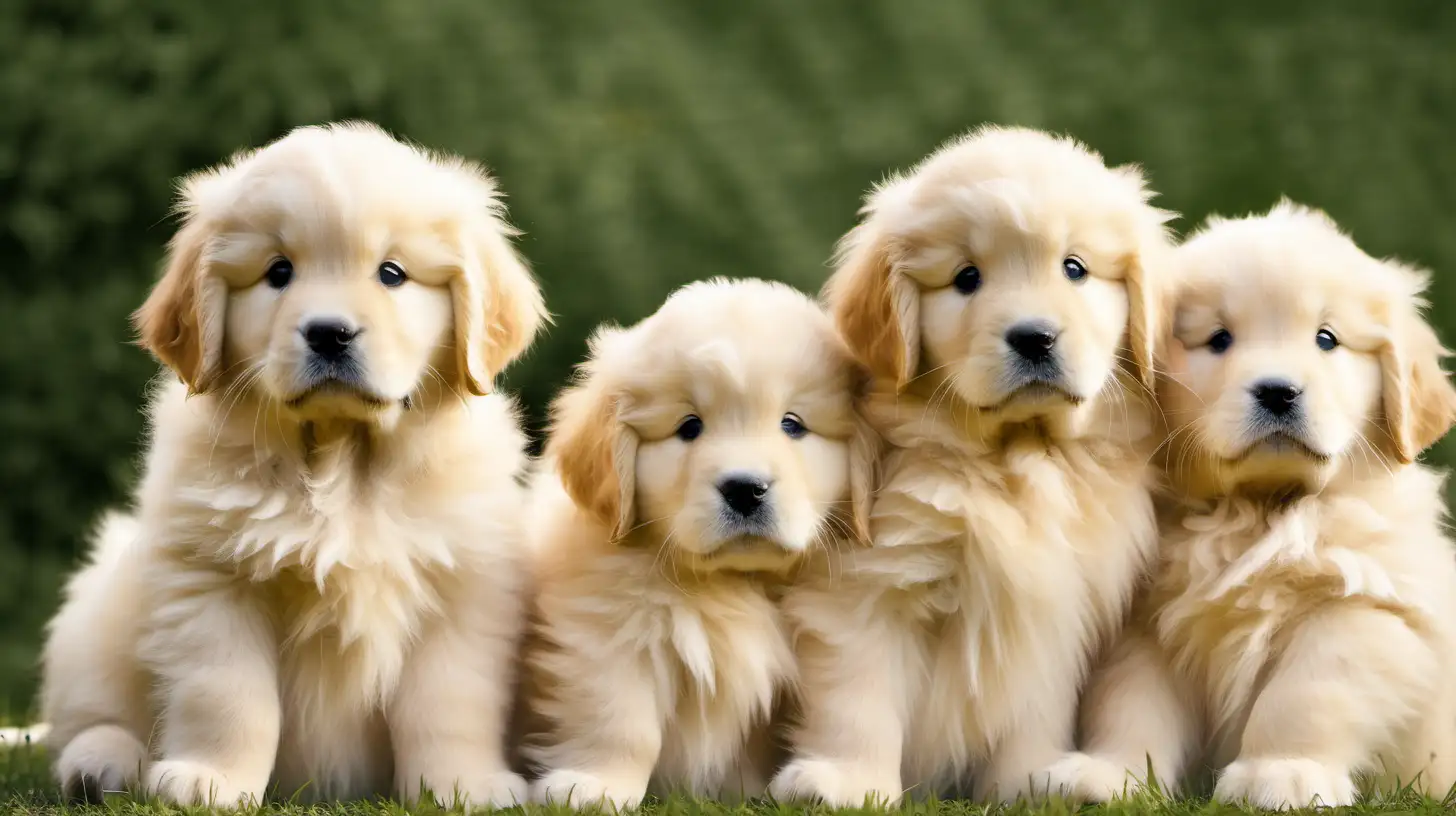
{"x":642,"y":145}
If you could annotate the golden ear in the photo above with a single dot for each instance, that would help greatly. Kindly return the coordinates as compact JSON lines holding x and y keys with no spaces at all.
{"x":1144,"y":318}
{"x":498,"y":306}
{"x":594,"y":452}
{"x":865,"y":448}
{"x":875,"y":308}
{"x":181,"y":322}
{"x":1418,"y":399}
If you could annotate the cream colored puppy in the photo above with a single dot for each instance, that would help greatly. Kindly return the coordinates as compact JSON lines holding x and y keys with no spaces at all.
{"x":1000,"y":292}
{"x":1300,"y":628}
{"x":322,"y":584}
{"x":702,"y":455}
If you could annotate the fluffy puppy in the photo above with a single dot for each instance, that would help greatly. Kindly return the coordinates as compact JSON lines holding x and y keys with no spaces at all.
{"x":1299,"y":630}
{"x":702,"y":455}
{"x":1001,"y":294}
{"x":321,"y":585}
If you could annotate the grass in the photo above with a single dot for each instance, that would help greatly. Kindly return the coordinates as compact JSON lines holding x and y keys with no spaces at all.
{"x":26,"y":788}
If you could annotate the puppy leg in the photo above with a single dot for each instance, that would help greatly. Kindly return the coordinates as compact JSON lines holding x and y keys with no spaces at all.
{"x":606,"y":721}
{"x":1350,"y":682}
{"x":448,"y":719}
{"x":1018,"y":765}
{"x":857,"y":683}
{"x":215,"y":653}
{"x":1136,"y":714}
{"x":94,"y":692}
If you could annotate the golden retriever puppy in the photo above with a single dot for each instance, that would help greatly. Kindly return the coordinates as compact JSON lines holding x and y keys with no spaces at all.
{"x":1299,"y":630}
{"x":1001,"y":294}
{"x":702,"y":455}
{"x":322,"y":583}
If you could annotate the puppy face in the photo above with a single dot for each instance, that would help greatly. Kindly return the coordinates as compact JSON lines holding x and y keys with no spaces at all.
{"x":723,"y":428}
{"x":1296,"y":357}
{"x":341,"y":274}
{"x":1007,"y":270}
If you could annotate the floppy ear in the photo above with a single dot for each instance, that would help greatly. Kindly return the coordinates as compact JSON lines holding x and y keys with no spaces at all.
{"x":181,"y":322}
{"x":864,"y":462}
{"x":1418,"y":400}
{"x":1144,"y":314}
{"x":876,"y":308}
{"x":594,"y":452}
{"x":498,"y":306}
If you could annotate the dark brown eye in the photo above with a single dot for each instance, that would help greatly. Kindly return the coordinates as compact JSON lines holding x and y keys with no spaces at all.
{"x":1326,"y":340}
{"x":391,"y":274}
{"x":1074,"y":269}
{"x":280,"y":273}
{"x":690,"y":428}
{"x":1219,"y":341}
{"x":793,"y":426}
{"x":968,"y":279}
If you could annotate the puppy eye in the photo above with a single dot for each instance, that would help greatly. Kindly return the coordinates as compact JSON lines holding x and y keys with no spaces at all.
{"x":1074,"y":269}
{"x":1326,"y":340}
{"x":391,"y":274}
{"x":690,"y":428}
{"x":1219,"y":341}
{"x":968,"y":279}
{"x":793,"y":426}
{"x":280,"y":273}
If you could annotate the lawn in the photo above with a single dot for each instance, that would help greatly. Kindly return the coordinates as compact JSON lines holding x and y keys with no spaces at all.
{"x":25,"y":788}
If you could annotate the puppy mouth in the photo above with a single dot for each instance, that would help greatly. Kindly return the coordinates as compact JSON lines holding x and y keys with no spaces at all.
{"x":341,"y":387}
{"x":1281,"y":443}
{"x":1035,"y":390}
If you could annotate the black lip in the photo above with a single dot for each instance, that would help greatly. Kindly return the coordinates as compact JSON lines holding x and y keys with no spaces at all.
{"x":1284,"y":439}
{"x":335,"y":385}
{"x":1035,"y":388}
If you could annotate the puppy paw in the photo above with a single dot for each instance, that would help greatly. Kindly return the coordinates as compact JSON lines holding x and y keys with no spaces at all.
{"x":1089,"y":778}
{"x":183,"y":782}
{"x":1284,"y":784}
{"x":579,"y":789}
{"x":497,"y":789}
{"x":100,"y":760}
{"x":501,"y":789}
{"x":835,"y":784}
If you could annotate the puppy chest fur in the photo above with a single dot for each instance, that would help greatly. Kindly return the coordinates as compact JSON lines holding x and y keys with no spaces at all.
{"x":1036,"y":567}
{"x":1241,"y":578}
{"x":708,"y":656}
{"x":347,"y":555}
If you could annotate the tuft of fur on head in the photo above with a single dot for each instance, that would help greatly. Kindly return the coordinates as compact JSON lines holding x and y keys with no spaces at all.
{"x":338,"y":200}
{"x":739,"y":356}
{"x":1375,"y":398}
{"x":1015,"y":203}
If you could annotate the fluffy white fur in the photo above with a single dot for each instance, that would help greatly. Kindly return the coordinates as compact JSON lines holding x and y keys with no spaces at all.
{"x":660,"y":655}
{"x":322,"y":582}
{"x":1299,"y":631}
{"x":1014,"y":514}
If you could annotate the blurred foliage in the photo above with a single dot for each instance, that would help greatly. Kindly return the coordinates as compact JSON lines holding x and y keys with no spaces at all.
{"x":642,"y":144}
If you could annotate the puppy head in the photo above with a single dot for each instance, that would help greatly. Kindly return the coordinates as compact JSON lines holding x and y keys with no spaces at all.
{"x":1007,"y":269}
{"x":1297,"y":357}
{"x":341,"y":273}
{"x":724,"y":428}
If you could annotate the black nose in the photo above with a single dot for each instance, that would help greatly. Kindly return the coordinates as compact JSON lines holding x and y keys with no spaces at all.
{"x":329,"y":339}
{"x":1278,"y":397}
{"x":1032,"y":340}
{"x":744,"y":494}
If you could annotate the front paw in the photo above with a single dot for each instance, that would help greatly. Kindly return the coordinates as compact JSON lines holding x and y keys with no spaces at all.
{"x":580,"y":789}
{"x":500,"y":789}
{"x":1089,"y":778}
{"x":835,"y":784}
{"x":101,"y":760}
{"x":183,"y":782}
{"x":1284,"y":784}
